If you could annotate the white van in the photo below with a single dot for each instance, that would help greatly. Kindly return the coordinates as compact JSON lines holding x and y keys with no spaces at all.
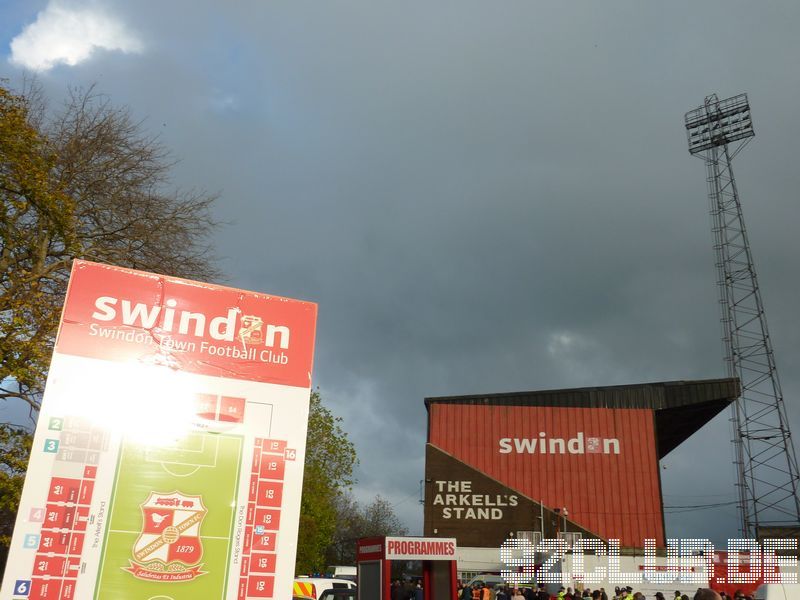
{"x":777,"y":591}
{"x":487,"y":578}
{"x":343,"y":572}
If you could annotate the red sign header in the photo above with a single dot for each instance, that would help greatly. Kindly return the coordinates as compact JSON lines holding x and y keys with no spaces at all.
{"x":126,"y":315}
{"x":406,"y":548}
{"x":370,"y":548}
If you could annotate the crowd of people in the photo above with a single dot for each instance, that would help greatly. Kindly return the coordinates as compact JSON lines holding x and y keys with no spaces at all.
{"x":407,"y":591}
{"x":484,"y":591}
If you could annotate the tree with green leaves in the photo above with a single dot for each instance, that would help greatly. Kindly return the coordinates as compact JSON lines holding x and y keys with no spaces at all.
{"x":330,"y":459}
{"x":85,"y":181}
{"x":15,"y":449}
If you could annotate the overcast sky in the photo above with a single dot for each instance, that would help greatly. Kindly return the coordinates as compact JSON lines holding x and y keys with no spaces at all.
{"x":481,"y":196}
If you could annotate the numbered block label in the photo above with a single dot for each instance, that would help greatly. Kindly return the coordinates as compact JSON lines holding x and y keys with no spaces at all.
{"x":231,"y":410}
{"x":270,"y":493}
{"x":76,"y":439}
{"x":31,"y":540}
{"x":206,"y":406}
{"x":268,"y":519}
{"x":42,"y":589}
{"x":22,"y":587}
{"x":59,"y":517}
{"x":63,"y":489}
{"x":262,"y":563}
{"x":55,"y":542}
{"x":69,"y":455}
{"x":260,"y":586}
{"x":273,"y":446}
{"x":51,"y":446}
{"x":49,"y":565}
{"x":36,"y":515}
{"x":264,"y":541}
{"x":272,"y":467}
{"x":98,"y":440}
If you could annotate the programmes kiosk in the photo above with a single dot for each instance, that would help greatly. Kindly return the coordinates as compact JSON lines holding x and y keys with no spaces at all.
{"x":376,"y":554}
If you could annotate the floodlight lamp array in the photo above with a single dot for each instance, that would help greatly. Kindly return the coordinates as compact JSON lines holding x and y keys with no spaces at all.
{"x":718,"y":122}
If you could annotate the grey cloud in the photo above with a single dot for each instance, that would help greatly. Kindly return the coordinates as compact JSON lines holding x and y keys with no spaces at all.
{"x":458,"y":184}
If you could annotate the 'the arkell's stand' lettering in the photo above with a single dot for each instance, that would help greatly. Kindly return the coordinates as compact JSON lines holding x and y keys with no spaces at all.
{"x":221,"y":328}
{"x":462,"y":503}
{"x":543,"y":445}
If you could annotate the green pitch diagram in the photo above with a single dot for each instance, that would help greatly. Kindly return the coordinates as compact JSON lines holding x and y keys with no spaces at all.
{"x":170,"y":522}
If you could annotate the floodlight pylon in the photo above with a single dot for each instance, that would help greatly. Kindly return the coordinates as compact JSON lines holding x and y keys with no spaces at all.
{"x":764,"y":454}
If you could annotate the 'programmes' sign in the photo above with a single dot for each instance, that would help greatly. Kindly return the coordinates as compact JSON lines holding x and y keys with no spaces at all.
{"x":404,"y":548}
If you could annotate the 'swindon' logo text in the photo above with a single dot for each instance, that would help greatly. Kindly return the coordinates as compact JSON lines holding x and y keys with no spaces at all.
{"x":544,"y":445}
{"x":185,"y":322}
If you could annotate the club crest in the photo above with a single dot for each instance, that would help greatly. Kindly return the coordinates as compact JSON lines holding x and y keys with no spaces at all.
{"x":169,"y":547}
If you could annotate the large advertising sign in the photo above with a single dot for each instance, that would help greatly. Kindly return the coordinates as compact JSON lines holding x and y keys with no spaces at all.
{"x":168,"y":457}
{"x":601,"y":464}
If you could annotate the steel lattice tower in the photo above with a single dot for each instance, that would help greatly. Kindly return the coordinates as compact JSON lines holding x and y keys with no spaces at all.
{"x":763,"y":448}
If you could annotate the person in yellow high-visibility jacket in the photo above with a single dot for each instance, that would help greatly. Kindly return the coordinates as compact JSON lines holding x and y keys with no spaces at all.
{"x":629,"y":593}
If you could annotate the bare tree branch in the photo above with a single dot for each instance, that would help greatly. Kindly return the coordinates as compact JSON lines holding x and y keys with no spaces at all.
{"x":86,"y":181}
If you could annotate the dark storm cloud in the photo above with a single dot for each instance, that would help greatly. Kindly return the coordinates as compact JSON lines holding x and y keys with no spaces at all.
{"x":481,"y":197}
